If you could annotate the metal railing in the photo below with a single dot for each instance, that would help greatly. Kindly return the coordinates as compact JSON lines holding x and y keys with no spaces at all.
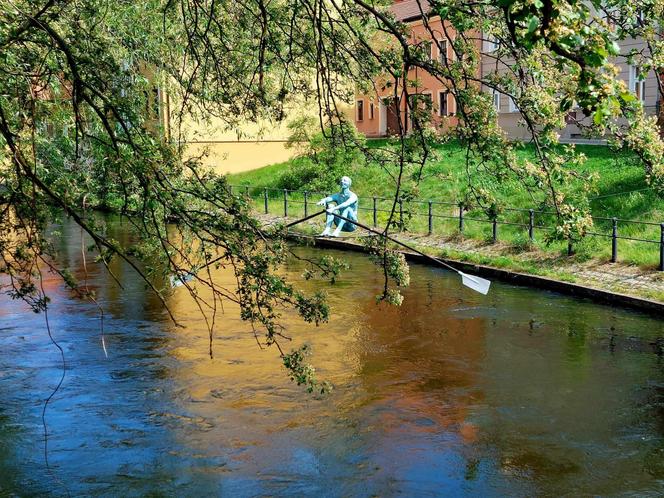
{"x":432,"y":211}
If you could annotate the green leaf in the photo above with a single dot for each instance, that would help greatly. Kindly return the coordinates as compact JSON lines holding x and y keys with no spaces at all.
{"x":443,"y":12}
{"x":613,"y":48}
{"x":533,"y":24}
{"x":598,"y":117}
{"x":628,"y":97}
{"x":595,"y":59}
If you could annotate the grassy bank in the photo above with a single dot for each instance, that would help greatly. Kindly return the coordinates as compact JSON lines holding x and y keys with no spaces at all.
{"x":621,"y":193}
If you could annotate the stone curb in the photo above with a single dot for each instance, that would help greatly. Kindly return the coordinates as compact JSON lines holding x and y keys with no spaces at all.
{"x":511,"y":277}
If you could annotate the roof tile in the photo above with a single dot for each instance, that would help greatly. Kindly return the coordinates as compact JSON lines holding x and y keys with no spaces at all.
{"x":410,"y":10}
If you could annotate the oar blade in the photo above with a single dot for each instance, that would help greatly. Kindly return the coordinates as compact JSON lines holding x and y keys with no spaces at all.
{"x":179,"y":280}
{"x":476,"y":283}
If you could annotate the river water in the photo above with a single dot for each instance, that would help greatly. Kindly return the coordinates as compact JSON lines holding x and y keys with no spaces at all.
{"x":517,"y":393}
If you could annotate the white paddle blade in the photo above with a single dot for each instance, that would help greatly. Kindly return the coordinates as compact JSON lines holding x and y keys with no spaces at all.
{"x":478,"y":284}
{"x":179,"y":280}
{"x":175,"y":281}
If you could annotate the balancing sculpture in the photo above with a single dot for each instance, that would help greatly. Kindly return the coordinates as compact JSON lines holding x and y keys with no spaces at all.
{"x":346,"y":206}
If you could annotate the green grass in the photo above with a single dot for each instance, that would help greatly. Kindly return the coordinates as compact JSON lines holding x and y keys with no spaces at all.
{"x":621,"y":192}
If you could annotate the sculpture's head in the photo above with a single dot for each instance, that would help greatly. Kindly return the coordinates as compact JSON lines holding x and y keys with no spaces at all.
{"x":345,"y":182}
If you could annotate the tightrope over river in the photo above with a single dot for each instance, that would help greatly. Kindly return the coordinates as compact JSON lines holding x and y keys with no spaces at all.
{"x":517,"y":393}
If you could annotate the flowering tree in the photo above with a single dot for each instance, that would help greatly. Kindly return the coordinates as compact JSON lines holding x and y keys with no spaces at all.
{"x":77,"y":130}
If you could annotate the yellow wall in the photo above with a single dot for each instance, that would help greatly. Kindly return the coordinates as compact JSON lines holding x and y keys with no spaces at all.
{"x":235,"y":157}
{"x":250,"y":146}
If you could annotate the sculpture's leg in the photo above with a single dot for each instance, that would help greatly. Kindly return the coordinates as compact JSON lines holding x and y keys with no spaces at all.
{"x":328,"y":225}
{"x":346,"y":214}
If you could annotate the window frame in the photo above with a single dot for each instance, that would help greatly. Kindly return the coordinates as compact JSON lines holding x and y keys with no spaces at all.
{"x":495,"y":95}
{"x":637,"y":85}
{"x":512,"y":105}
{"x":442,"y":51}
{"x":417,"y":97}
{"x":430,"y":44}
{"x":359,"y":112}
{"x":443,"y":110}
{"x":428,"y":93}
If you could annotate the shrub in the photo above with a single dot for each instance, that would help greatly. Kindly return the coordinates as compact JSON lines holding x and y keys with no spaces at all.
{"x":324,"y":156}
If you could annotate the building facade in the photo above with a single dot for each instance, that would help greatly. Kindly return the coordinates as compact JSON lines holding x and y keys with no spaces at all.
{"x":375,"y":114}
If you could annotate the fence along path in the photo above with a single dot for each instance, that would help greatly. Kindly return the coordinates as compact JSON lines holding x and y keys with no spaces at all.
{"x":428,"y":215}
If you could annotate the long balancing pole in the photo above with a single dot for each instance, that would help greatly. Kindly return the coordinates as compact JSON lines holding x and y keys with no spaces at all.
{"x":476,"y":283}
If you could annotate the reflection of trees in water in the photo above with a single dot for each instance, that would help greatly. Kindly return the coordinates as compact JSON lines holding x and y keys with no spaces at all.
{"x":11,"y":476}
{"x":535,"y":373}
{"x":99,"y":419}
{"x":422,"y":358}
{"x":563,"y":386}
{"x":537,"y":381}
{"x":97,"y":391}
{"x":132,"y":298}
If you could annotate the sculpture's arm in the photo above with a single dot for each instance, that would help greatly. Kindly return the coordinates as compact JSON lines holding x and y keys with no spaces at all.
{"x":351,"y":200}
{"x":324,"y":201}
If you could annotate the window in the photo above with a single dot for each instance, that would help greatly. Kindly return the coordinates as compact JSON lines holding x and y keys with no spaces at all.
{"x":513,"y":106}
{"x":442,"y":51}
{"x":496,"y":100}
{"x":457,"y":52}
{"x":360,"y":110}
{"x":442,"y":104}
{"x":637,"y":82}
{"x":419,"y":103}
{"x":490,"y":44}
{"x":371,"y":109}
{"x":427,"y":48}
{"x":426,"y":102}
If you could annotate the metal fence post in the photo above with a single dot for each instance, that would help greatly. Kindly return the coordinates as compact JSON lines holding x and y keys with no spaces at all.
{"x":531,"y":225}
{"x":494,"y":221}
{"x":661,"y":247}
{"x":430,"y":218}
{"x":374,"y":211}
{"x":614,"y":242}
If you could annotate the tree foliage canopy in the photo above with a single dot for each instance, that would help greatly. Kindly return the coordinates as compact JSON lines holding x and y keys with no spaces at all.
{"x":77,"y":129}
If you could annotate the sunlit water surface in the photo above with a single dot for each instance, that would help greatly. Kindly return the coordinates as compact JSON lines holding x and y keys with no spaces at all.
{"x":517,"y":393}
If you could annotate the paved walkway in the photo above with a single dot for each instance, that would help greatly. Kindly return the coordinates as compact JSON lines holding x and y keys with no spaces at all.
{"x":614,"y":277}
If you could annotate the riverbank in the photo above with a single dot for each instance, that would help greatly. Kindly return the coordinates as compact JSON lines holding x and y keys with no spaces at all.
{"x":617,"y":283}
{"x":624,"y":207}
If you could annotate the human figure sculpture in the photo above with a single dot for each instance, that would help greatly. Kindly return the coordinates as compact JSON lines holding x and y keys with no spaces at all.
{"x":346,"y":206}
